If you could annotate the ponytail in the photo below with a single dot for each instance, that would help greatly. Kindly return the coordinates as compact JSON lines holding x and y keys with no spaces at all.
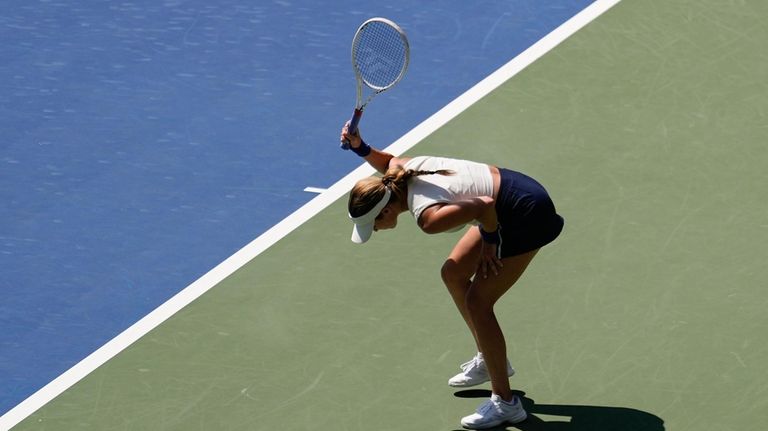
{"x":396,"y":178}
{"x":369,"y":191}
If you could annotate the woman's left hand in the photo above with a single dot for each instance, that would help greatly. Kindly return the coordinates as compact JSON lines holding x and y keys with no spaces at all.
{"x":489,"y":260}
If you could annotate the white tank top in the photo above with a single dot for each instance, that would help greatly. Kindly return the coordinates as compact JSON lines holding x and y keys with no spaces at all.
{"x":470,"y":180}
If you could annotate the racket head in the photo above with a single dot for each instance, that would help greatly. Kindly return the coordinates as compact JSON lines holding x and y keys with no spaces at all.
{"x":380,"y":53}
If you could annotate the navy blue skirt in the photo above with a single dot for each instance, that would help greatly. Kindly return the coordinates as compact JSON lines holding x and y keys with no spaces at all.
{"x":526,"y":214}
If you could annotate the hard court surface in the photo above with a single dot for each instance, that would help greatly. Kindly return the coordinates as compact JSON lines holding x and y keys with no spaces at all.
{"x":648,"y":127}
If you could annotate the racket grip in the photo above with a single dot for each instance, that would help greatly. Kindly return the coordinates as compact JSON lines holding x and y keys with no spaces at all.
{"x":352,"y":127}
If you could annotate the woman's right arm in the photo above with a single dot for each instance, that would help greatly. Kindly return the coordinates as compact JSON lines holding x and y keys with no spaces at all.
{"x":380,"y":160}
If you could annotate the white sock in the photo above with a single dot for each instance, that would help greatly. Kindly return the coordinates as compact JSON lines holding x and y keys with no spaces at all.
{"x":512,"y":402}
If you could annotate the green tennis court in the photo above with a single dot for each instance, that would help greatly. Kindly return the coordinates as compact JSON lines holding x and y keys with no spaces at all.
{"x":649,"y":129}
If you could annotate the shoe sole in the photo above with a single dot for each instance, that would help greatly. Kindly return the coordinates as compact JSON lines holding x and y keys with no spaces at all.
{"x":469,"y":385}
{"x":513,"y":421}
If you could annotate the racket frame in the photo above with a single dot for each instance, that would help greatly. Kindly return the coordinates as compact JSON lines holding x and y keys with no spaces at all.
{"x":362,"y":102}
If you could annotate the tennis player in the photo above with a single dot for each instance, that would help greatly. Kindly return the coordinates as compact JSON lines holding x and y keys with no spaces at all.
{"x":513,"y":217}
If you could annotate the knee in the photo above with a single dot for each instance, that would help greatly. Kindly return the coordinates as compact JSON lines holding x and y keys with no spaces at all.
{"x":452,"y":274}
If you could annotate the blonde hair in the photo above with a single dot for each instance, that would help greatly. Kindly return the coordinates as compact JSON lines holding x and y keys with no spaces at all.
{"x":369,"y":191}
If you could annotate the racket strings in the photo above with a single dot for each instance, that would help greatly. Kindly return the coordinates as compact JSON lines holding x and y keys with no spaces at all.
{"x":380,"y":55}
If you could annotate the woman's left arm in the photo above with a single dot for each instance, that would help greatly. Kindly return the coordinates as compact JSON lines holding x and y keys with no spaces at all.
{"x":443,"y":217}
{"x":446,"y":216}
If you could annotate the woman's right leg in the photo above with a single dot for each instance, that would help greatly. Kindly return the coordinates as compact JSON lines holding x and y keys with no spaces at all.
{"x":458,"y":270}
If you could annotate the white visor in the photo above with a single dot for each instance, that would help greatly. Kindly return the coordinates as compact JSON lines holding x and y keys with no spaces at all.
{"x":364,"y":224}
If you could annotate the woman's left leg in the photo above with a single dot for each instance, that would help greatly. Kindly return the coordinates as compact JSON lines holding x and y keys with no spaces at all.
{"x":481,"y":297}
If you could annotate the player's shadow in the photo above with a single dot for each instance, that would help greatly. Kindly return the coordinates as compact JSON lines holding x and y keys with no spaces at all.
{"x":576,"y":418}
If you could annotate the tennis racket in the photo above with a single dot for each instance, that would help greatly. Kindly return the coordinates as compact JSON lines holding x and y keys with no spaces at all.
{"x":380,"y":54}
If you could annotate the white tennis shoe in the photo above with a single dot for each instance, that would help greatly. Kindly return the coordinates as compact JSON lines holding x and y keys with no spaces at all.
{"x":494,"y":412}
{"x":474,"y":373}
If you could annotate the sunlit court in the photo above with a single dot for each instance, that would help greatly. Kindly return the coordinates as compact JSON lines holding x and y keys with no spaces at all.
{"x":175,"y":229}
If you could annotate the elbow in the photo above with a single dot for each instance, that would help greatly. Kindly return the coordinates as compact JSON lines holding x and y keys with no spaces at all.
{"x":428,"y":226}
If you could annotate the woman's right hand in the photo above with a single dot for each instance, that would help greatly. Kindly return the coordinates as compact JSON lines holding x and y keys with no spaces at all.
{"x":489,"y":260}
{"x":354,"y":139}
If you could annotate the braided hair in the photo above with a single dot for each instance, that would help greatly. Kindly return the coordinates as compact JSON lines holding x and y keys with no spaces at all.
{"x":369,"y":191}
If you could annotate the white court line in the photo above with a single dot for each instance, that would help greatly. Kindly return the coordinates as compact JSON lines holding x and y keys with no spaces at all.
{"x":293,"y":221}
{"x":314,"y":190}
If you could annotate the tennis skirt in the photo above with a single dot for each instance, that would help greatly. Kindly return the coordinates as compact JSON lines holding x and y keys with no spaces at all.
{"x":526,"y":214}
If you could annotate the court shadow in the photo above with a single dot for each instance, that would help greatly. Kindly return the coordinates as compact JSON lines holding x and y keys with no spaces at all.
{"x":575,"y":418}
